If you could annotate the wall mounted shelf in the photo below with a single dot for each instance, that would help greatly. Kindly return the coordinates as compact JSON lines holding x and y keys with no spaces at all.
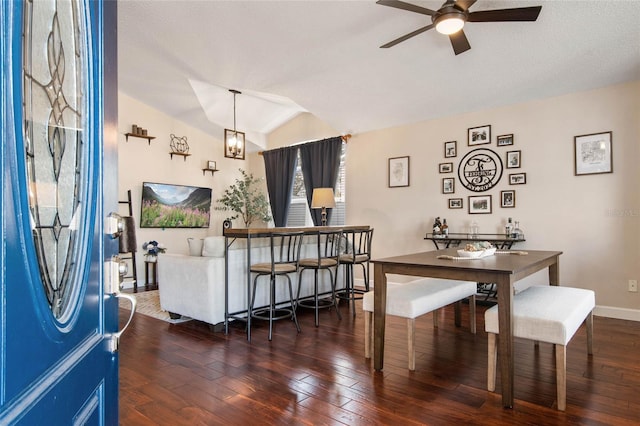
{"x":183,"y":154}
{"x":204,"y":171}
{"x":135,"y":135}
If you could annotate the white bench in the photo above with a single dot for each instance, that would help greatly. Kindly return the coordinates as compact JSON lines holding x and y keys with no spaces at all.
{"x":418,"y":298}
{"x":549,"y":314}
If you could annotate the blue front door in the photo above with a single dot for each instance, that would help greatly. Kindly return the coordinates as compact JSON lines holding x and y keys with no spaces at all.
{"x":58,"y":315}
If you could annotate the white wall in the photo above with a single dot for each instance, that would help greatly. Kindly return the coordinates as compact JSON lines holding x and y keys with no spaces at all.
{"x":140,"y":162}
{"x":592,"y":219}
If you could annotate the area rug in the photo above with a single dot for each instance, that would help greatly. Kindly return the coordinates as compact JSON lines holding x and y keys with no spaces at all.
{"x":149,"y":305}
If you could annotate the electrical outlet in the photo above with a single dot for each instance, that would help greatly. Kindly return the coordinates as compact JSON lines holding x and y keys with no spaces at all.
{"x":633,"y":286}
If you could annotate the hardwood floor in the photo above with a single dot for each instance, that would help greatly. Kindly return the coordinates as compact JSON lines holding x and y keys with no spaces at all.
{"x":187,"y":375}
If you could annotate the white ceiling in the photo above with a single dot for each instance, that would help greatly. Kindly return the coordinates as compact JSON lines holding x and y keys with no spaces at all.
{"x":323,"y":57}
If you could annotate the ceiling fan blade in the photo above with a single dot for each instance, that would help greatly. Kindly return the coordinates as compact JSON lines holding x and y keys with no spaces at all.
{"x":465,"y":4}
{"x":407,"y":6}
{"x":459,"y":42}
{"x":407,"y":36}
{"x":506,"y":15}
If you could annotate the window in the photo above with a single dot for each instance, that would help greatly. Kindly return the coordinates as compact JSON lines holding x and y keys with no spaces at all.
{"x":299,"y":212}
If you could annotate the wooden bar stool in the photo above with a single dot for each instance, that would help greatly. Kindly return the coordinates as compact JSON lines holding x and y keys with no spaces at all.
{"x":285,"y":255}
{"x":357,"y":251}
{"x":327,"y":252}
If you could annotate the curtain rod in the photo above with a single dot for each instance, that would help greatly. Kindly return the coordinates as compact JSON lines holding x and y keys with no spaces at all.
{"x":345,"y":139}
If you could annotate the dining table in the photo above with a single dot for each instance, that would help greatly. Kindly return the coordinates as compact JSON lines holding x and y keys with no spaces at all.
{"x":503,"y":268}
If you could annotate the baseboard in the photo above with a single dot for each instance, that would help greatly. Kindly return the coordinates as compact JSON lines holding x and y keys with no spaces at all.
{"x":617,"y":313}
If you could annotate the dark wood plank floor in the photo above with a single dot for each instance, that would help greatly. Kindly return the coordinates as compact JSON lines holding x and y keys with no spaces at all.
{"x":187,"y":375}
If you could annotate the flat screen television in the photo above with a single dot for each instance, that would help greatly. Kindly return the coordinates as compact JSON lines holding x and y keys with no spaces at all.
{"x":174,"y":206}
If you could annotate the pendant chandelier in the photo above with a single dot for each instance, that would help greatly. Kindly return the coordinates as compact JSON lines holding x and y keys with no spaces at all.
{"x":234,"y":142}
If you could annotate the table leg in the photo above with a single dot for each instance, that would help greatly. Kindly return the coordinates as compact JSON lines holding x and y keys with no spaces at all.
{"x":505,"y":339}
{"x":226,"y":285}
{"x":554,"y":273}
{"x":379,"y":314}
{"x":249,"y":287}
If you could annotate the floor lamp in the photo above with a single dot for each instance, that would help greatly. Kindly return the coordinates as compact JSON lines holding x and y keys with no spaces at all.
{"x":323,"y":199}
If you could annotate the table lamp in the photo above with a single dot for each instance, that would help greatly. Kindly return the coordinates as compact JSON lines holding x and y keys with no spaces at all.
{"x":322,"y":199}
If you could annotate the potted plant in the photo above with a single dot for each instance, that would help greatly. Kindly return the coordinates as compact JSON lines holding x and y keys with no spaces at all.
{"x":246,"y":199}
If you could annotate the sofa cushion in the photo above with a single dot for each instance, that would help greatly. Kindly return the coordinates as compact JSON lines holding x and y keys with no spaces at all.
{"x":195,"y":246}
{"x":213,"y":247}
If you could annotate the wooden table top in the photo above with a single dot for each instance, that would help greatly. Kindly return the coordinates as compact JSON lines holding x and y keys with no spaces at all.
{"x":264,"y":232}
{"x":500,"y":263}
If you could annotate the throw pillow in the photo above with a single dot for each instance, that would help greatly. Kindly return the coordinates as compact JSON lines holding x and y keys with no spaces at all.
{"x":195,"y":246}
{"x":213,"y":247}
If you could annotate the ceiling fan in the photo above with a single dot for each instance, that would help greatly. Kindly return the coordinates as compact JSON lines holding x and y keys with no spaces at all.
{"x":453,"y":14}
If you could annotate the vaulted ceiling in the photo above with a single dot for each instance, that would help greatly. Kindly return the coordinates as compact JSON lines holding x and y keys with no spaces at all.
{"x":323,"y":57}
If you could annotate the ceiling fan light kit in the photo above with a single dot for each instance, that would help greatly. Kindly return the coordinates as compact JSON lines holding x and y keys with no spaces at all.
{"x":449,"y":23}
{"x":452,"y":16}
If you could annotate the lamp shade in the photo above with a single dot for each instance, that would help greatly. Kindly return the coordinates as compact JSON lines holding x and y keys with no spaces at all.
{"x":323,"y":197}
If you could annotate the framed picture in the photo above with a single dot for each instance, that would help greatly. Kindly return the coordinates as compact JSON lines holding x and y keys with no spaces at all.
{"x":513,"y":159}
{"x":211,"y":165}
{"x":445,"y":167}
{"x":507,"y":199}
{"x":450,"y":149}
{"x":448,"y":185}
{"x":593,"y":154}
{"x":479,"y":135}
{"x":398,"y":172}
{"x":479,"y":204}
{"x":517,"y":178}
{"x":504,"y":140}
{"x":455,"y":203}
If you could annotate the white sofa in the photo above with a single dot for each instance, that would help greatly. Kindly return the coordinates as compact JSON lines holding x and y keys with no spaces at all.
{"x":193,"y":286}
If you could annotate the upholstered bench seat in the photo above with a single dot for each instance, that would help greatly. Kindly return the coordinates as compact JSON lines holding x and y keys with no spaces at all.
{"x":418,"y":298}
{"x":549,"y":314}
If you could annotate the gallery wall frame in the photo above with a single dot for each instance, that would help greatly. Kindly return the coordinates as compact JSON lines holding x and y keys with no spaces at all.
{"x":513,"y":159}
{"x":450,"y":149}
{"x":445,"y":167}
{"x":398,"y":172}
{"x":479,"y":204}
{"x":455,"y":203}
{"x":593,"y":153}
{"x":479,"y":135}
{"x":517,"y":178}
{"x":504,"y":140}
{"x":448,"y":185}
{"x":508,"y":199}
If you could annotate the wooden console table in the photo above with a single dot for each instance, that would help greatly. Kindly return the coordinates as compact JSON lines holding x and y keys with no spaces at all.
{"x":501,"y":241}
{"x":248,"y":234}
{"x":150,"y":275}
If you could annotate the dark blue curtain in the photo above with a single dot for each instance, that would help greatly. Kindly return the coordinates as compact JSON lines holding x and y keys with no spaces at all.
{"x":320,"y":168}
{"x":280,"y":168}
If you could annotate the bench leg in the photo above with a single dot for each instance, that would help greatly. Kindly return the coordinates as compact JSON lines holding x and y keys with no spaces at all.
{"x":435,"y":318}
{"x":561,"y":376}
{"x":492,"y":359}
{"x":472,"y":313}
{"x":589,"y":322}
{"x":411,"y":337}
{"x":458,"y":312}
{"x":368,"y":316}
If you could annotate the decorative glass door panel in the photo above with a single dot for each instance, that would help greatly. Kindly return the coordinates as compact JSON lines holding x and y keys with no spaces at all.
{"x":55,"y":114}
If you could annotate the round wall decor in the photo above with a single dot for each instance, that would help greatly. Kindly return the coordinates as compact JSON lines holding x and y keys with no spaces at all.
{"x":480,"y":170}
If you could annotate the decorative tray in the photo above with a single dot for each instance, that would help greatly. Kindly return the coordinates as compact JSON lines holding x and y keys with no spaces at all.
{"x":478,"y":254}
